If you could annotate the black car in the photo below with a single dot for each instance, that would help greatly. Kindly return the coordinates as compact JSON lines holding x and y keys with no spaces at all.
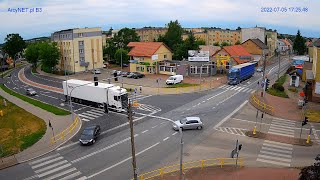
{"x":124,"y":74}
{"x":89,"y":134}
{"x":136,"y":75}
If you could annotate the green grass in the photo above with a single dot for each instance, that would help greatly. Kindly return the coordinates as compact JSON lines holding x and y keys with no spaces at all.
{"x":282,"y":79}
{"x":181,"y":85}
{"x":19,"y":129}
{"x":278,"y":93}
{"x":44,"y":106}
{"x":34,"y":70}
{"x":313,"y":115}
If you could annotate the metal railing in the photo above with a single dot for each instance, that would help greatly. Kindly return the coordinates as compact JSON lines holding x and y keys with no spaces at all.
{"x":189,"y":165}
{"x":61,"y":136}
{"x":264,"y":107}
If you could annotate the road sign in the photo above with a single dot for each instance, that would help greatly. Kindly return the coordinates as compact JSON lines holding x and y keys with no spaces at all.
{"x":135,"y":90}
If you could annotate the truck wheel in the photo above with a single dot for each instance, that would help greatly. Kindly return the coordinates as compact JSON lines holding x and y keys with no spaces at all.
{"x":80,"y":101}
{"x":199,"y":127}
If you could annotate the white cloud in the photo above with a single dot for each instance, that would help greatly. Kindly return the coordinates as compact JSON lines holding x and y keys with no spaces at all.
{"x":61,"y":14}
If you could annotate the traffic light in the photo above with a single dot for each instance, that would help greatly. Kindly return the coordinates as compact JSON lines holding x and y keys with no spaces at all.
{"x":95,"y":79}
{"x":115,"y":76}
{"x":240,"y":146}
{"x":305,"y":121}
{"x":267,"y":84}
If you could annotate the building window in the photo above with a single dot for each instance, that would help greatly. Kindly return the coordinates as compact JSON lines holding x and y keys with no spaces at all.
{"x":80,"y":34}
{"x":81,"y":51}
{"x":165,"y":56}
{"x":140,"y":68}
{"x":81,"y":43}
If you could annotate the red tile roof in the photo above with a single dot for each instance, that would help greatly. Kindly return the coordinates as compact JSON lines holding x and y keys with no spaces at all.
{"x":286,"y":42}
{"x":144,"y":49}
{"x":237,"y":50}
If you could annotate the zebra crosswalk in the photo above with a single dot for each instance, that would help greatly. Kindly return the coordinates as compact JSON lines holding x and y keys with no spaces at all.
{"x":231,"y":130}
{"x":55,"y":167}
{"x":282,"y":127}
{"x":237,"y":88}
{"x":145,"y":107}
{"x":138,"y":96}
{"x":91,"y":114}
{"x":276,"y":153}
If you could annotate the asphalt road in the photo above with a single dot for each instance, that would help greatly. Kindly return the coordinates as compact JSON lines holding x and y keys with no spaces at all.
{"x":156,"y":143}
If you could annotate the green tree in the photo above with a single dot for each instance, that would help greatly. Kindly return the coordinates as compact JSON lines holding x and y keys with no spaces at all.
{"x":110,"y":49}
{"x":124,"y":53}
{"x":225,"y":44}
{"x":124,"y":36}
{"x":238,"y":43}
{"x":32,"y":54}
{"x":216,"y":44}
{"x":200,"y":42}
{"x":173,"y":36}
{"x":49,"y":55}
{"x":13,"y":44}
{"x":299,"y":45}
{"x":311,"y":172}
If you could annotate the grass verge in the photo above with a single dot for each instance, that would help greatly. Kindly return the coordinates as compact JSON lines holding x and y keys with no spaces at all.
{"x":44,"y":106}
{"x":19,"y":129}
{"x":181,"y":85}
{"x":282,"y":79}
{"x":276,"y":92}
{"x":313,"y":115}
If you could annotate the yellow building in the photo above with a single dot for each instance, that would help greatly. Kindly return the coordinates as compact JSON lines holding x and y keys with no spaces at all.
{"x":81,"y":49}
{"x":150,"y":34}
{"x":272,"y":37}
{"x":145,"y":57}
{"x":222,"y":35}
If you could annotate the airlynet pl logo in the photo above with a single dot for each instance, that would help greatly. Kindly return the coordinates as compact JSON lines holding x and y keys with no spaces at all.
{"x":25,"y":10}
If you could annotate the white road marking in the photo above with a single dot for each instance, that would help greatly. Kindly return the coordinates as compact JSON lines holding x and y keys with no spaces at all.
{"x":174,"y":133}
{"x":231,"y":114}
{"x":274,"y":158}
{"x":213,"y":107}
{"x":165,"y":138}
{"x":95,"y":174}
{"x":276,"y":150}
{"x":54,"y":170}
{"x":31,"y":177}
{"x":47,"y":162}
{"x":101,"y":150}
{"x":88,"y":114}
{"x":71,"y":175}
{"x":43,"y":159}
{"x":144,"y":131}
{"x":280,"y":134}
{"x":49,"y":96}
{"x":276,"y":154}
{"x":273,"y":162}
{"x":81,"y":115}
{"x":217,"y":94}
{"x":51,"y":166}
{"x":79,"y":109}
{"x":154,"y":126}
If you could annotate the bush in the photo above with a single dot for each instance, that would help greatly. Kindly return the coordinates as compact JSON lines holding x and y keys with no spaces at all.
{"x":278,"y":87}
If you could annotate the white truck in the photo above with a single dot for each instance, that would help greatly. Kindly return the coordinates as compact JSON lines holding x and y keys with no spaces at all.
{"x":107,"y":96}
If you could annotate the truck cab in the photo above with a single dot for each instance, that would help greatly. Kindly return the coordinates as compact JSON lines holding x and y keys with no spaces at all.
{"x":234,"y":76}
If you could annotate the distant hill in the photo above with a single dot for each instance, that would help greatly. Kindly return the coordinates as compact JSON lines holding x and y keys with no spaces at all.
{"x":38,"y":39}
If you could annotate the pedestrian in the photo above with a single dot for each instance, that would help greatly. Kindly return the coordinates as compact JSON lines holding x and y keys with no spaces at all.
{"x":140,"y":89}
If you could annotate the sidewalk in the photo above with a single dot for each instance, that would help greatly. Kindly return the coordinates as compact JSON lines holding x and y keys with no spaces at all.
{"x":231,"y":173}
{"x":43,"y":146}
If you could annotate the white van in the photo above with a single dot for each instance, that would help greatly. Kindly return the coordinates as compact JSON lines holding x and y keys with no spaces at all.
{"x":174,"y":79}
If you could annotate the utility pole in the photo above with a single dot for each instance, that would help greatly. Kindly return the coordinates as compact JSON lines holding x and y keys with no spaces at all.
{"x":94,"y":72}
{"x":200,"y":78}
{"x":264,"y":69}
{"x":121,"y":61}
{"x":134,"y":165}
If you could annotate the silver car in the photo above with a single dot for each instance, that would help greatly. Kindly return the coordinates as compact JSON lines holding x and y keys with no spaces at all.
{"x":31,"y":92}
{"x":188,"y":123}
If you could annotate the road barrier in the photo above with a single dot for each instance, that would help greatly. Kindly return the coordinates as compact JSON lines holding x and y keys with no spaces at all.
{"x":261,"y":105}
{"x":61,"y":136}
{"x":189,"y":165}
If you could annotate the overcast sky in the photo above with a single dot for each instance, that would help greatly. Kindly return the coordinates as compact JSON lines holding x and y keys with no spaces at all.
{"x":64,"y":14}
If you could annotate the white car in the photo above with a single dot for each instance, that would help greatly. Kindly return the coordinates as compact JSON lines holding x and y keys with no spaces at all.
{"x":188,"y":123}
{"x":259,"y":69}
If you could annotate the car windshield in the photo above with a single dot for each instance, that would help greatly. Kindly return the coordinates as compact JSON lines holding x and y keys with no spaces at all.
{"x":171,"y":78}
{"x":87,"y":132}
{"x":182,"y":121}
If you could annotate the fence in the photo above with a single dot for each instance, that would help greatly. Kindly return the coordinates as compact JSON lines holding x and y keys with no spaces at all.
{"x":188,"y":165}
{"x":61,"y":136}
{"x":261,"y":105}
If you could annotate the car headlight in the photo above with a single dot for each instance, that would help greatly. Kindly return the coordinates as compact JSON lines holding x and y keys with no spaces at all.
{"x":91,"y":140}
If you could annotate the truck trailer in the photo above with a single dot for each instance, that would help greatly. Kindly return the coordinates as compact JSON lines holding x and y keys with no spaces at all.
{"x":240,"y":73}
{"x":107,"y":96}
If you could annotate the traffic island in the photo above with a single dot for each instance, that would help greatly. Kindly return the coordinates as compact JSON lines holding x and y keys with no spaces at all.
{"x":277,"y":138}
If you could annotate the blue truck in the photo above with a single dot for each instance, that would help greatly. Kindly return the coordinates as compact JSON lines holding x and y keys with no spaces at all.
{"x":240,"y":73}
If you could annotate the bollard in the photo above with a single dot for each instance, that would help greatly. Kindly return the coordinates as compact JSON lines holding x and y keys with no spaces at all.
{"x":308,"y":139}
{"x":1,"y":113}
{"x":255,"y":130}
{"x":202,"y":164}
{"x":4,"y":102}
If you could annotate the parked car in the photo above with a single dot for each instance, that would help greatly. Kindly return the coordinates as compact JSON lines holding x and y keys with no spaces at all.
{"x":113,"y":71}
{"x":104,"y":66}
{"x":259,"y":69}
{"x":119,"y":73}
{"x":124,"y":74}
{"x":89,"y":134}
{"x":135,"y":75}
{"x":125,"y":65}
{"x":174,"y":79}
{"x":188,"y":123}
{"x":31,"y":92}
{"x":96,"y":71}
